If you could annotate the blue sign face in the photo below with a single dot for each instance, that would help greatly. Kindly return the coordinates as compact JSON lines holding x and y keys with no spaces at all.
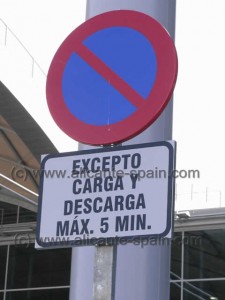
{"x":111,"y":77}
{"x":91,"y":97}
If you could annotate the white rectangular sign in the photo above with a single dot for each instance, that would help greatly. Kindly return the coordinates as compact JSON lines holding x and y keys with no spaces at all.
{"x":92,"y":196}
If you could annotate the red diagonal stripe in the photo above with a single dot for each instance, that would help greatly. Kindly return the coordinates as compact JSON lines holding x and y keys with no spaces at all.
{"x":116,"y":81}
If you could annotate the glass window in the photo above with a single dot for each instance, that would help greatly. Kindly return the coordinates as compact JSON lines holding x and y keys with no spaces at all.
{"x":3,"y":256}
{"x":57,"y":294}
{"x":204,"y":255}
{"x":175,"y":291}
{"x":204,"y":290}
{"x":1,"y":296}
{"x":26,"y":215}
{"x":8,"y":213}
{"x":29,"y":267}
{"x":176,"y":256}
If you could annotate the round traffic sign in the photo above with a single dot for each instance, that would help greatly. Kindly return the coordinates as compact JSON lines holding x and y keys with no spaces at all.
{"x":111,"y":77}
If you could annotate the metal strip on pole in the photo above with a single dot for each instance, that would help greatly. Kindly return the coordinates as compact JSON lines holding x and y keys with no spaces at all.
{"x":142,"y":271}
{"x":104,"y":273}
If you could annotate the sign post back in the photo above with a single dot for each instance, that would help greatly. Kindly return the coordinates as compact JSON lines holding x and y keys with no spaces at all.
{"x":85,"y":87}
{"x":131,"y":260}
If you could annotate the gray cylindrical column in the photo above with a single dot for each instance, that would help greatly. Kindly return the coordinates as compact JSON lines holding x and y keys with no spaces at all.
{"x":141,"y":272}
{"x":82,"y":273}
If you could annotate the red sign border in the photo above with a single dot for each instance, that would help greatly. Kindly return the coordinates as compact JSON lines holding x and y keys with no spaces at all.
{"x":146,"y":114}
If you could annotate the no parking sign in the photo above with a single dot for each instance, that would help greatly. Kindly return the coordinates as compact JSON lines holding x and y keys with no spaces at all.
{"x":111,"y":77}
{"x":108,"y":81}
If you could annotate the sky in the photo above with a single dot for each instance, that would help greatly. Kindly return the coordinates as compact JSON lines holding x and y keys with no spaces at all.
{"x":199,"y":94}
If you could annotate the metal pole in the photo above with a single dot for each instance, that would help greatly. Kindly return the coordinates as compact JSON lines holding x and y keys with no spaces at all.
{"x":142,"y":272}
{"x":104,"y":273}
